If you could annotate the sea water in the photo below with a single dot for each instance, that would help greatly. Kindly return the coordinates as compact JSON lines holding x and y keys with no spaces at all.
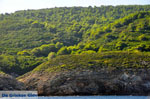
{"x":84,"y":97}
{"x":96,"y":97}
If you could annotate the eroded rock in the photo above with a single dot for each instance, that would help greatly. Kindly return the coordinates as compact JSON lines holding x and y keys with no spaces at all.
{"x":90,"y":83}
{"x":7,"y":82}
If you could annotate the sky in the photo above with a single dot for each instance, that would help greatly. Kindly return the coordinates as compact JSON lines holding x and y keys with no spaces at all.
{"x":10,"y":6}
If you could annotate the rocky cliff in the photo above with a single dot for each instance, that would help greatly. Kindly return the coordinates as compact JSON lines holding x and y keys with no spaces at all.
{"x":7,"y":82}
{"x":91,"y":74}
{"x":86,"y":82}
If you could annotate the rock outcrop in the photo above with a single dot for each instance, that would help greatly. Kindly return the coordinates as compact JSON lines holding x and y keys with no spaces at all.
{"x":89,"y":83}
{"x":7,"y":83}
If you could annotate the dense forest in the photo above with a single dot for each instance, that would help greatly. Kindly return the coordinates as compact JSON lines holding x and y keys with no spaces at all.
{"x":32,"y":37}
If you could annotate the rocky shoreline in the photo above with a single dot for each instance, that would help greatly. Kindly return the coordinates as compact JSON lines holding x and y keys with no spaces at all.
{"x":86,"y":82}
{"x":8,"y":82}
{"x":83,"y":82}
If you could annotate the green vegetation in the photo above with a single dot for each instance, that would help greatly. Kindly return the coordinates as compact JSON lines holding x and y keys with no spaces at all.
{"x":33,"y":28}
{"x":97,"y":61}
{"x":18,"y":64}
{"x":2,"y":72}
{"x":74,"y":37}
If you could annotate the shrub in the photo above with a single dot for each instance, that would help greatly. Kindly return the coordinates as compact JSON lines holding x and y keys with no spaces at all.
{"x":51,"y":55}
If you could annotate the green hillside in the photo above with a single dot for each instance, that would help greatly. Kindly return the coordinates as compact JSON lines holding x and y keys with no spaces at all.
{"x":71,"y":35}
{"x":130,"y":33}
{"x":108,"y":60}
{"x":33,"y":28}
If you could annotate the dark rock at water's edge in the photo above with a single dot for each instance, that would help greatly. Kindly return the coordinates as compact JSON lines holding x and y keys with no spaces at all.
{"x":8,"y":83}
{"x":102,"y":82}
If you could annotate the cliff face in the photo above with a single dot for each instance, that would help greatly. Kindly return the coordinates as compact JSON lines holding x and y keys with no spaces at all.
{"x":9,"y":83}
{"x":86,"y":82}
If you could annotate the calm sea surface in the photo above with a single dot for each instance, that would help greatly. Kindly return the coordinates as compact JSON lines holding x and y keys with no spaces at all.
{"x":97,"y":97}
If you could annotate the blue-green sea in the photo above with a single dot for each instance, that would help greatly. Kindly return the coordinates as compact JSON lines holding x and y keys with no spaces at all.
{"x":96,"y":97}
